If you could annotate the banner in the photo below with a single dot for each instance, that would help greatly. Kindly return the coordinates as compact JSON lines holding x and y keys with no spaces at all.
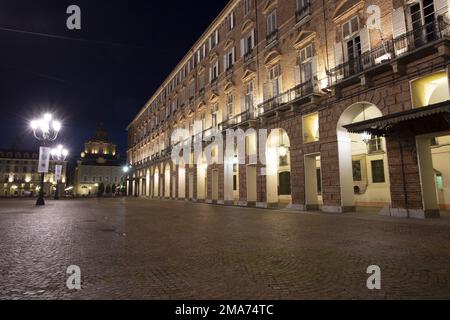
{"x":58,"y":172}
{"x":44,"y":160}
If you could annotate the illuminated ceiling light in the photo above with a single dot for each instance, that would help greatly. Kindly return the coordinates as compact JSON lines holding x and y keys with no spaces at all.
{"x":282,"y":150}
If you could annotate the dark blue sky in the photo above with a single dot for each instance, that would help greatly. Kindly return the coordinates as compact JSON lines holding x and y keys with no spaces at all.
{"x":86,"y":83}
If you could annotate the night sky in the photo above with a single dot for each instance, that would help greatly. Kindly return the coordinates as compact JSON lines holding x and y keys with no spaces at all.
{"x":128,"y":49}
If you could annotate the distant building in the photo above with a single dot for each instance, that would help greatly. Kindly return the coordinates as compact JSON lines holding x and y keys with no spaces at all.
{"x":18,"y":172}
{"x":98,"y":168}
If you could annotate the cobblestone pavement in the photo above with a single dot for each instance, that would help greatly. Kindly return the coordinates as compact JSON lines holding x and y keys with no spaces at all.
{"x":148,"y":249}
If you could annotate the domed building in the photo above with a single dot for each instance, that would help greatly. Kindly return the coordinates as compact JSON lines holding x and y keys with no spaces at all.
{"x":99,"y":168}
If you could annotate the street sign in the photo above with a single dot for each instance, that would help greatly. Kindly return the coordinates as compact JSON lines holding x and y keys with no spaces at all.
{"x":44,"y":159}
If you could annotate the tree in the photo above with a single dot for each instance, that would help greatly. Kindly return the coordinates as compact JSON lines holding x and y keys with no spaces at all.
{"x":101,"y":189}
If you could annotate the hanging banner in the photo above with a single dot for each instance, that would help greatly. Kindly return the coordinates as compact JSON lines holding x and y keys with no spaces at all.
{"x":58,"y":172}
{"x":44,"y":160}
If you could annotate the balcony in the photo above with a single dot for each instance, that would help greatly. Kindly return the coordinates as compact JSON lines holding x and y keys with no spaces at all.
{"x":201,"y":93}
{"x":404,"y":49}
{"x":302,"y":13}
{"x":235,"y":121}
{"x":229,"y":71}
{"x":248,"y":57}
{"x":214,"y":83}
{"x":272,"y":38}
{"x":303,"y":90}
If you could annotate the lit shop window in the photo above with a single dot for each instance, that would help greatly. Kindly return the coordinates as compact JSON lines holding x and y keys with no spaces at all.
{"x":311,"y":128}
{"x":430,"y":90}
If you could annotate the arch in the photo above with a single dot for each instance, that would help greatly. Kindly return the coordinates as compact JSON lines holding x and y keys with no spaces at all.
{"x":269,"y":6}
{"x":353,"y":150}
{"x":229,"y":43}
{"x":229,"y":86}
{"x":272,"y":57}
{"x":304,"y":37}
{"x":247,"y":25}
{"x":278,"y":168}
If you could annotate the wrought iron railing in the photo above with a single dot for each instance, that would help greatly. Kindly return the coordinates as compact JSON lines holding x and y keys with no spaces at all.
{"x":302,"y":12}
{"x":272,"y":37}
{"x":302,"y":90}
{"x":390,"y":49}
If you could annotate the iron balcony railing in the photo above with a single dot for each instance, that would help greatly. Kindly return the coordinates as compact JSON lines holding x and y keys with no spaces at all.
{"x":302,"y":90}
{"x":302,"y":12}
{"x":272,"y":37}
{"x":236,"y":120}
{"x":390,"y":49}
{"x":248,"y":56}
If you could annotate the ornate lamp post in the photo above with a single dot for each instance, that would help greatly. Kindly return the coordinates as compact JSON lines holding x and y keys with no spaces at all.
{"x":45,"y":130}
{"x":59,"y":154}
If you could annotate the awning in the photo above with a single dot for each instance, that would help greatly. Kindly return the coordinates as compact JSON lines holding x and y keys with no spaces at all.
{"x":421,"y":120}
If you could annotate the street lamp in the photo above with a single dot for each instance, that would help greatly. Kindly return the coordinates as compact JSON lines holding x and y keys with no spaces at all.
{"x":45,"y":130}
{"x":59,"y":154}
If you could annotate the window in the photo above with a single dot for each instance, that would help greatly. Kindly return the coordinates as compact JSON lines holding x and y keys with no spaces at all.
{"x":214,"y":71}
{"x":375,"y":145}
{"x":230,"y":106}
{"x":230,"y":22}
{"x":357,"y":170}
{"x":229,"y":59}
{"x":378,"y":171}
{"x":246,"y":7}
{"x":201,"y":81}
{"x":214,"y":40}
{"x":311,"y":128}
{"x":305,"y":70}
{"x":350,"y":28}
{"x":272,"y":23}
{"x":214,"y":115}
{"x":439,"y":181}
{"x":203,"y":121}
{"x":275,"y":80}
{"x":302,"y":5}
{"x":248,"y":43}
{"x":249,"y":96}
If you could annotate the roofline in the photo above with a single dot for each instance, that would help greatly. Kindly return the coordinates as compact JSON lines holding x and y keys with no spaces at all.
{"x":231,"y":4}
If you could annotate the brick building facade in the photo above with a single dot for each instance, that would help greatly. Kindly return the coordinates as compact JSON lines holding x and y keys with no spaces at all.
{"x":305,"y":70}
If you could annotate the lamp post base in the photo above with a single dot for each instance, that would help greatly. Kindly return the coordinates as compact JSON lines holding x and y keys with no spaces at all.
{"x":40,"y":202}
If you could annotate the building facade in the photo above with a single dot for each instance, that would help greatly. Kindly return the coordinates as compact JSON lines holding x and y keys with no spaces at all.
{"x":98,"y":170}
{"x":355,"y":95}
{"x":18,"y":170}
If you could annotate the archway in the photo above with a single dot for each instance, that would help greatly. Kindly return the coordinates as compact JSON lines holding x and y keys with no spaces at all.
{"x":278,"y":168}
{"x":363,"y":167}
{"x":181,"y":180}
